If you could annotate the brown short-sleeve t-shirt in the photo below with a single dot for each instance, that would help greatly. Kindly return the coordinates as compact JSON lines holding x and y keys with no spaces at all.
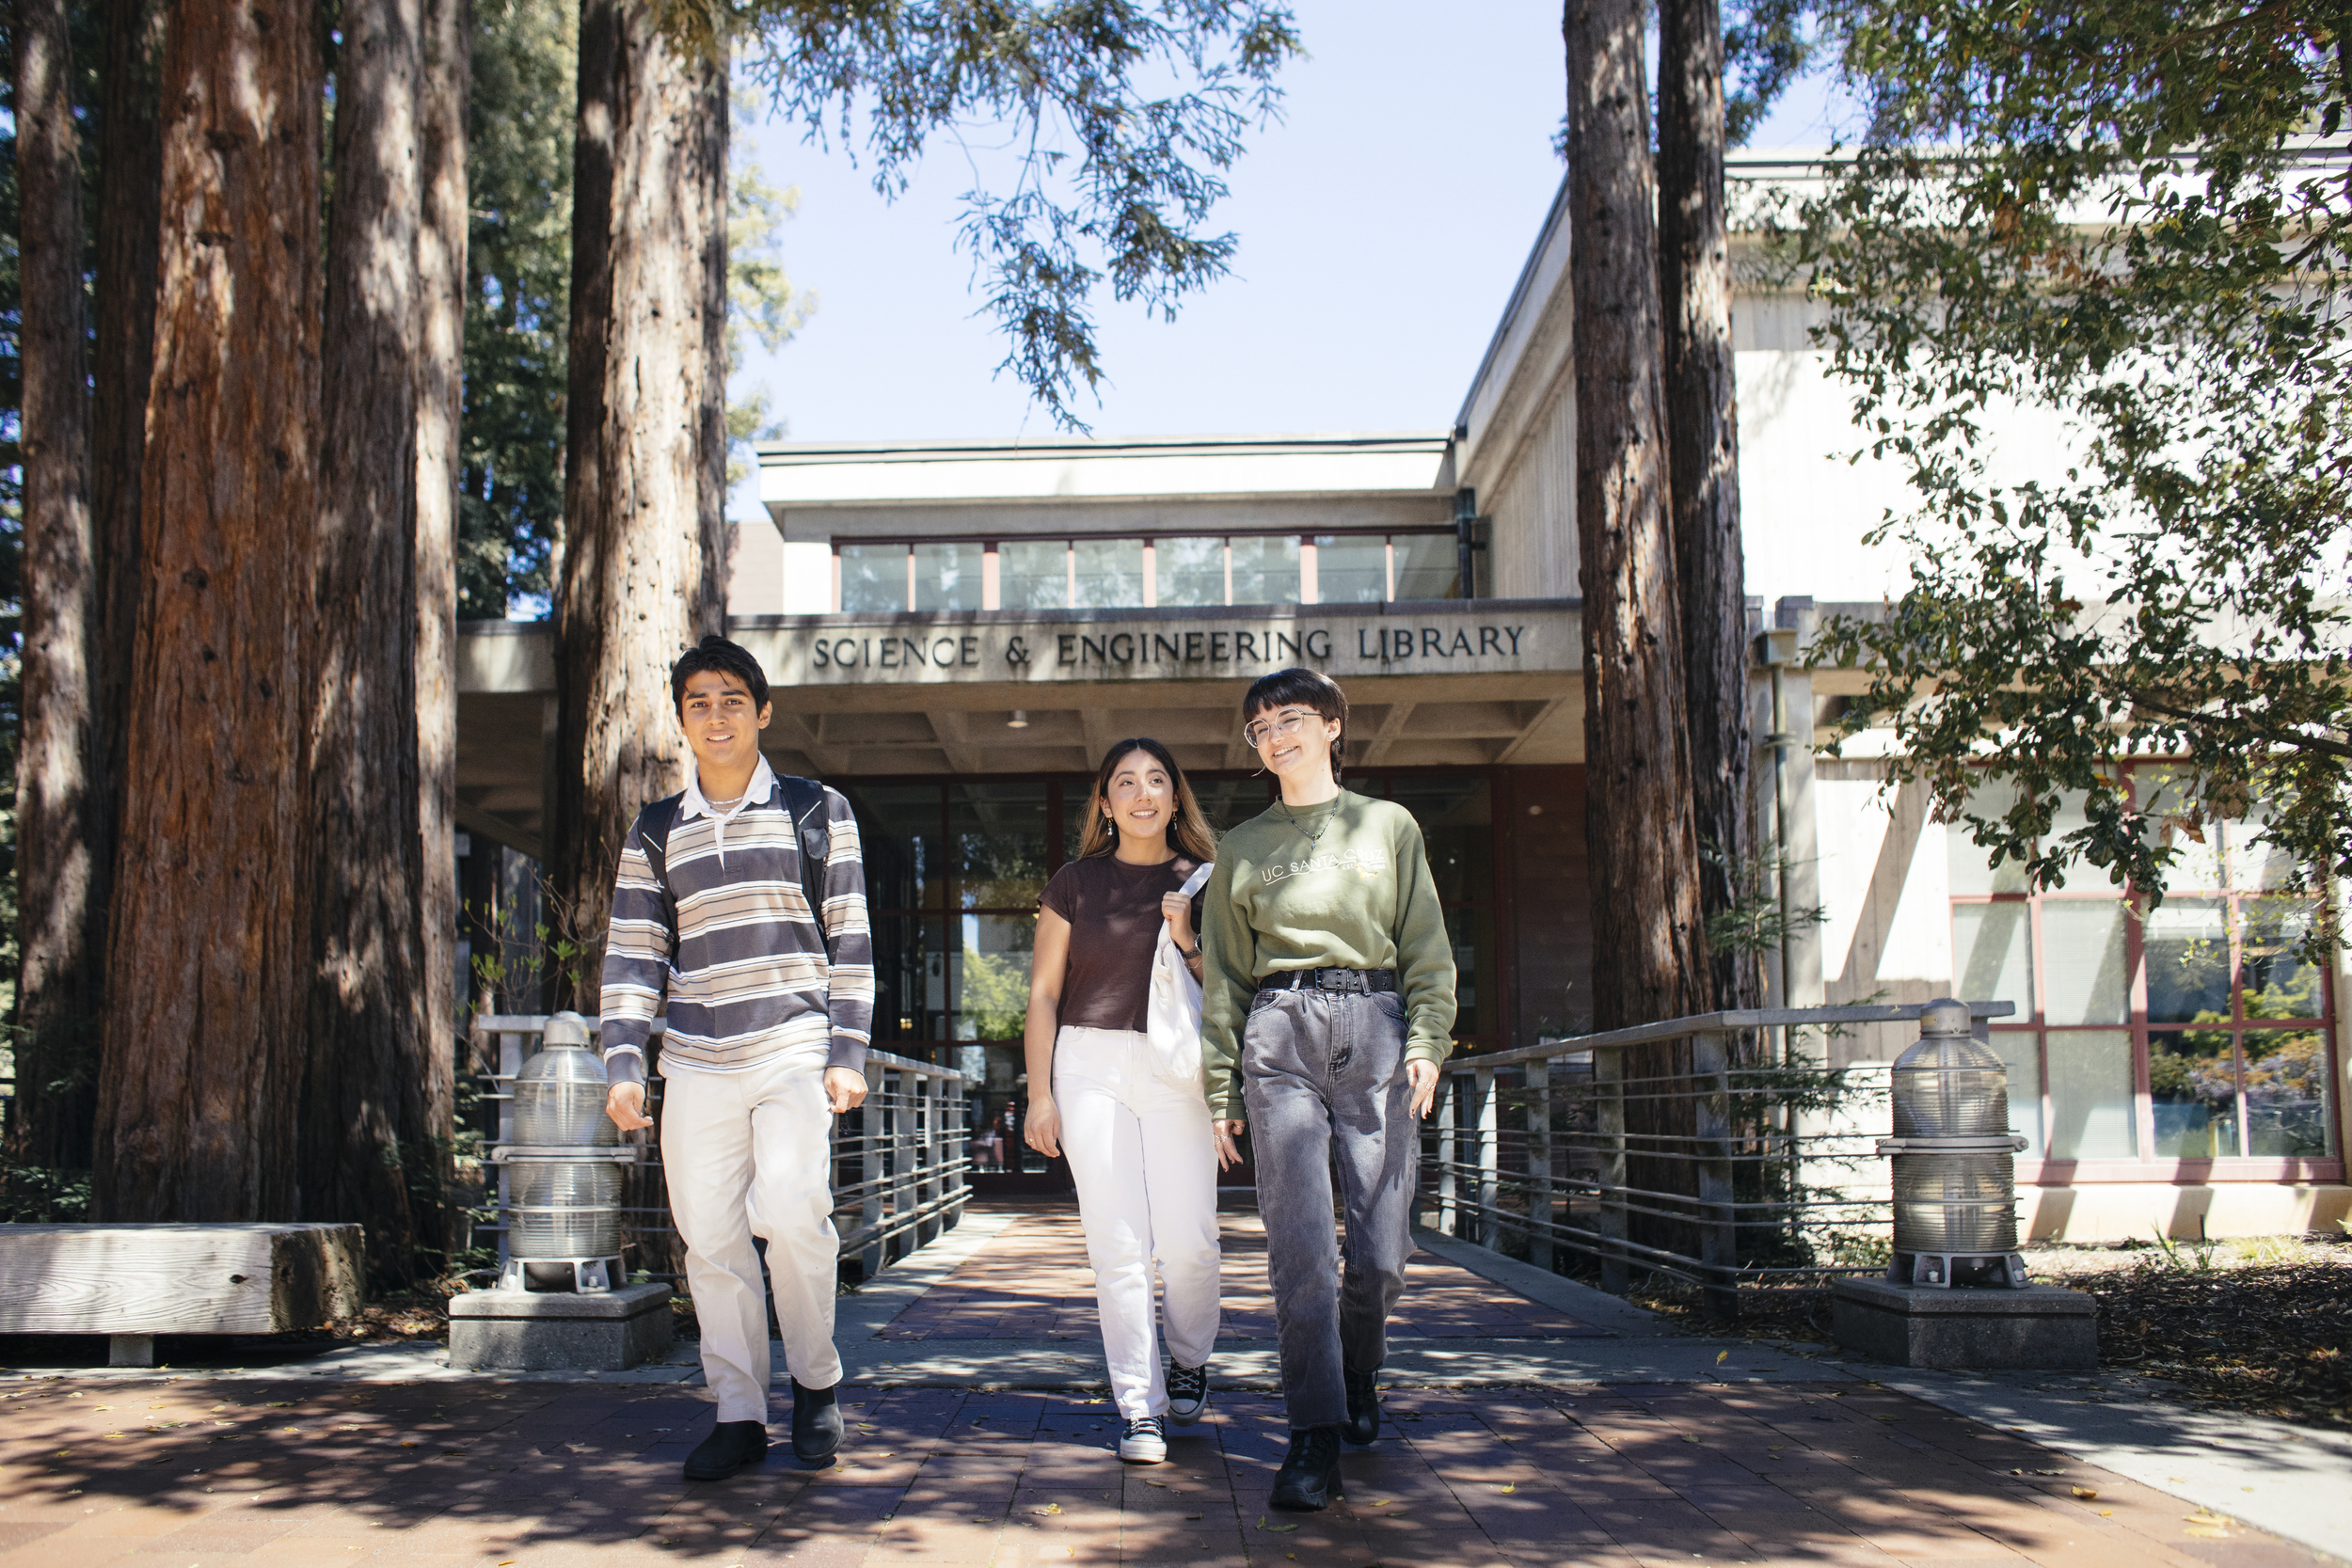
{"x":1114,"y":913}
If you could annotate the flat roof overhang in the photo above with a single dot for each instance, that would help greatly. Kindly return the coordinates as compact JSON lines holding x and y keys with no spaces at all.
{"x":1446,"y":683}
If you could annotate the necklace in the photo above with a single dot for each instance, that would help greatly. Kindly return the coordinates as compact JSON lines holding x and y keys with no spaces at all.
{"x":1317,"y":837}
{"x":722,"y":807}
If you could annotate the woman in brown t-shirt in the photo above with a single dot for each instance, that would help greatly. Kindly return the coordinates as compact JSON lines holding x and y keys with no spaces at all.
{"x":1142,"y":1148}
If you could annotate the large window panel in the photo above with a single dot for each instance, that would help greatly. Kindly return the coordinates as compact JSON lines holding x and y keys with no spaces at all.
{"x":2276,"y":977}
{"x":2192,"y":1090}
{"x":1109,"y":573}
{"x":1969,"y":869}
{"x":898,"y":834}
{"x":2083,"y":950}
{"x":1428,"y":565}
{"x":2286,"y":1093}
{"x":1351,"y":568}
{"x":1188,"y":573}
{"x":1033,"y":573}
{"x":2188,"y":961}
{"x":2092,"y":1108}
{"x":873,"y":578}
{"x":991,"y":969}
{"x":1990,"y":953}
{"x":999,"y":834}
{"x":947,"y":576}
{"x":1266,"y":571}
{"x":2021,"y":1052}
{"x":910,"y":980}
{"x":1456,"y":819}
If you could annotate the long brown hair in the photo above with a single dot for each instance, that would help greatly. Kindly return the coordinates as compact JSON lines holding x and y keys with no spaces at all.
{"x":1188,"y":831}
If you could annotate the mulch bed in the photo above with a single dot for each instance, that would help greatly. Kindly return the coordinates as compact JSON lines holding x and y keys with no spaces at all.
{"x":2270,"y":1339}
{"x":2269,"y":1334}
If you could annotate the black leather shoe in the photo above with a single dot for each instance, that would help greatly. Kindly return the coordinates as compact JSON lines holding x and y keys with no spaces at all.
{"x":1310,"y":1475}
{"x":730,"y":1445}
{"x":1363,"y":1407}
{"x":815,"y":1423}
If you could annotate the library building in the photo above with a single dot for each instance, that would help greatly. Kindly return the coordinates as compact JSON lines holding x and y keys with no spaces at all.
{"x":955,"y":632}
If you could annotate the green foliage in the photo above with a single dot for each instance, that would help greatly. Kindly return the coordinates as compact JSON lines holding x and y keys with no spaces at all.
{"x":2112,"y":218}
{"x":994,"y":995}
{"x":1755,"y":922}
{"x":518,"y":263}
{"x":1767,"y":45}
{"x":36,"y":1195}
{"x":1114,"y":174}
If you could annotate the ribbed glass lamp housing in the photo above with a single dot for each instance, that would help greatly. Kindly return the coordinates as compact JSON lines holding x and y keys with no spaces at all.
{"x":1955,"y":1203}
{"x":563,"y":1208}
{"x":1950,"y":1085}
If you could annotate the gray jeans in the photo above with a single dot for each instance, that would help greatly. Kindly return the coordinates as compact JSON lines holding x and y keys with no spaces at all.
{"x":1323,"y":1078}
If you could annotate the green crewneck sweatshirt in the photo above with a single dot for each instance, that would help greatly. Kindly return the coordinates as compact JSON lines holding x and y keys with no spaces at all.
{"x":1342,"y":885}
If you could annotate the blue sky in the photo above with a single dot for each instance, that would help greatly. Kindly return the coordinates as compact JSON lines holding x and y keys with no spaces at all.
{"x":1381,"y":225}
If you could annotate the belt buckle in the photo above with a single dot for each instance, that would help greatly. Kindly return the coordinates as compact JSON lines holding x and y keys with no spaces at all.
{"x":1336,"y":979}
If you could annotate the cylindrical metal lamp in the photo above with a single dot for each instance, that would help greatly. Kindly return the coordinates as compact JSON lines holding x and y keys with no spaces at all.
{"x":1955,"y":1158}
{"x":563,"y":1208}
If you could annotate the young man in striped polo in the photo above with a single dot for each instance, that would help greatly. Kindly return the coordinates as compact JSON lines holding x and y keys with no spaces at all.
{"x":770,"y":1003}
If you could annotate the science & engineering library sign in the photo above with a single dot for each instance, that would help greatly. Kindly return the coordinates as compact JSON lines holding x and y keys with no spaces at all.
{"x":1501,"y":636}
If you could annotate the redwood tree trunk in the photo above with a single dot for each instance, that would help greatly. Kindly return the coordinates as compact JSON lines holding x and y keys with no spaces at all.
{"x":440,"y":356}
{"x":365,"y":1106}
{"x":1642,"y":842}
{"x":202,"y":1053}
{"x":56,"y":786}
{"x":1703,"y":459}
{"x":645,"y":460}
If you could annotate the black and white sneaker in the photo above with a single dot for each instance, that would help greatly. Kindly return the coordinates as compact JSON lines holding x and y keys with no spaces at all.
{"x":1144,"y":1442}
{"x":1187,"y":1393}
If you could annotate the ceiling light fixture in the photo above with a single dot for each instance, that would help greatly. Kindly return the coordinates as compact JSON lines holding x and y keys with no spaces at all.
{"x":1020,"y":720}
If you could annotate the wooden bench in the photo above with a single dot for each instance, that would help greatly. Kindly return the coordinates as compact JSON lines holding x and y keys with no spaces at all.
{"x":132,"y":1282}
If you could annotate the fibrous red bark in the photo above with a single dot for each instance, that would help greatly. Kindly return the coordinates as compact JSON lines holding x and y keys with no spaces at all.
{"x":202,"y":1054}
{"x":646,"y":464}
{"x":57,"y":789}
{"x":365,"y":1109}
{"x":1703,"y":462}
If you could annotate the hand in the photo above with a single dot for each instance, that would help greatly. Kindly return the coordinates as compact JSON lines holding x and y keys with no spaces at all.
{"x":1043,"y":1129}
{"x":1423,"y":1076}
{"x":1178,"y":909}
{"x":625,"y":1105}
{"x":844,"y":1090}
{"x":1224,"y":1133}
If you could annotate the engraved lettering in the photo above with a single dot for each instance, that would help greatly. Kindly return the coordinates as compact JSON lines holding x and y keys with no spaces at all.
{"x":1123,"y":648}
{"x":1489,"y":640}
{"x":1322,"y":653}
{"x":1069,"y":643}
{"x":1192,"y":647}
{"x":1432,"y":642}
{"x":1461,"y":644}
{"x":1514,"y":633}
{"x":1216,"y":646}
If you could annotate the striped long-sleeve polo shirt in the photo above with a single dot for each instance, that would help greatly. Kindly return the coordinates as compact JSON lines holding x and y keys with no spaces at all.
{"x":744,"y":971}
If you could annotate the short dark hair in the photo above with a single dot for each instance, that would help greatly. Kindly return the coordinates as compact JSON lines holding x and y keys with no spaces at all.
{"x":1310,"y":688}
{"x":717,"y":655}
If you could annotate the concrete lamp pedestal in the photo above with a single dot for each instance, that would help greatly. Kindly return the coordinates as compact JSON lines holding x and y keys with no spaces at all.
{"x":543,"y":1331}
{"x":1965,"y":1329}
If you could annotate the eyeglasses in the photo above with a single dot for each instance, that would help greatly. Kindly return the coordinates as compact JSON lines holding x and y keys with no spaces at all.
{"x":1285,"y":725}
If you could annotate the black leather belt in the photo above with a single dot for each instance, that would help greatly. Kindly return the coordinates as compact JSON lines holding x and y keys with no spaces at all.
{"x":1331,"y":979}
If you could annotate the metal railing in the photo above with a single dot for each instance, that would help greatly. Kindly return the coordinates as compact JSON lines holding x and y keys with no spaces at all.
{"x":901,"y":1165}
{"x":1701,"y":1149}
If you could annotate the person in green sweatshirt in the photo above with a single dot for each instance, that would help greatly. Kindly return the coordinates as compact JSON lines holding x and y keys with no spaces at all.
{"x":1327,"y":1002}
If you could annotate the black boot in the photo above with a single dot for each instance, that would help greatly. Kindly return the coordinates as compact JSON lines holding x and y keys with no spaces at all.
{"x":815,"y":1423}
{"x":730,"y":1445}
{"x":1310,"y":1475}
{"x":1363,"y":1407}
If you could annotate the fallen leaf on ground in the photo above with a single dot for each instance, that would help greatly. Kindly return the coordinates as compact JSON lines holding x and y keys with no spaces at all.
{"x":1049,"y":1508}
{"x":1722,"y":1358}
{"x":1508,"y":1486}
{"x":2085,"y":1493}
{"x":2208,"y":1532}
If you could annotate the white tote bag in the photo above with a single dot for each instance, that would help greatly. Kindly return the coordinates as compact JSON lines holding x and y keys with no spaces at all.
{"x":1173,"y":1022}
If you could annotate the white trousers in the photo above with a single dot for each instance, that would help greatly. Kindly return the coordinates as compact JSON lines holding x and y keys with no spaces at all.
{"x":749,"y":1153}
{"x":1140,"y":1151}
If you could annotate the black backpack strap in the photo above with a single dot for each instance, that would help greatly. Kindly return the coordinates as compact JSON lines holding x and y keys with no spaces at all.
{"x":804,"y":800}
{"x":654,"y":826}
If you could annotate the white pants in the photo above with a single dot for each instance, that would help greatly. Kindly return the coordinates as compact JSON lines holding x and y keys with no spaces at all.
{"x":749,"y":1153}
{"x":1140,"y":1150}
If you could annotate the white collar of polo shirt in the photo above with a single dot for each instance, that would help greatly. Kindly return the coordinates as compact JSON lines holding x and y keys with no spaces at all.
{"x":761,"y":790}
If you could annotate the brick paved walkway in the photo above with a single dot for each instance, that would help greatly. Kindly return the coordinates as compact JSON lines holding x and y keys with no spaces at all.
{"x":531,"y":1476}
{"x":209,"y":1472}
{"x":1033,"y":1283}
